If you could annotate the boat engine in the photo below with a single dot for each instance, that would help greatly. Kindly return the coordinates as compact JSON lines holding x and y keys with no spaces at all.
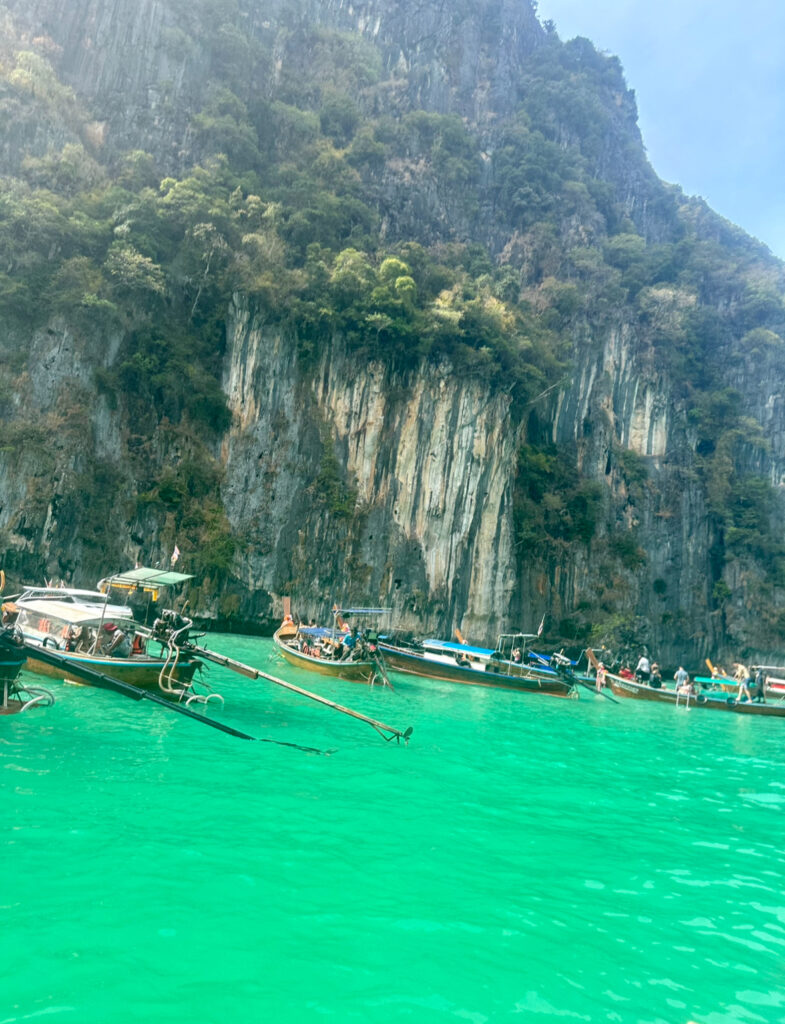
{"x":171,"y":629}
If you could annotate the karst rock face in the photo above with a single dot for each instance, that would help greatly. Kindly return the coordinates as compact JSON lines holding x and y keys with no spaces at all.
{"x":426,"y":459}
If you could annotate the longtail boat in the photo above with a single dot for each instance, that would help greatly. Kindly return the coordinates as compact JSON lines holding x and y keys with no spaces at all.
{"x":89,"y":629}
{"x":774,"y":677}
{"x":774,"y":684}
{"x":508,"y":666}
{"x":711,"y":701}
{"x":338,"y":651}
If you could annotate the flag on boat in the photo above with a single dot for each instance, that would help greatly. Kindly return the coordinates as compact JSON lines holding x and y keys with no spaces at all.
{"x":175,"y":554}
{"x":539,"y":631}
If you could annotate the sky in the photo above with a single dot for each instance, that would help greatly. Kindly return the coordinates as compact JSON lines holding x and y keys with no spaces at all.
{"x":709,"y":78}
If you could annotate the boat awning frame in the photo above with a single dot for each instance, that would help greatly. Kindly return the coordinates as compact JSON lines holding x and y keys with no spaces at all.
{"x":361,"y":611}
{"x":148,"y":581}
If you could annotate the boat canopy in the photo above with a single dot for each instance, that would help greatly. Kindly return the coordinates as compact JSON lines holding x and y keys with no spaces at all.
{"x":361,"y":611}
{"x":449,"y":647}
{"x":546,"y":659}
{"x":142,"y":580}
{"x":70,"y":594}
{"x":74,"y":613}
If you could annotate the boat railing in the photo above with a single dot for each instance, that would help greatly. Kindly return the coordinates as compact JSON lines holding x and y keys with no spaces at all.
{"x":204,"y":699}
{"x":173,"y":632}
{"x":36,"y":695}
{"x":27,"y":696}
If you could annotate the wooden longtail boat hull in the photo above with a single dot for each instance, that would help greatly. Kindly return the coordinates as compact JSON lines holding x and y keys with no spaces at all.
{"x":356,"y":671}
{"x":629,"y":688}
{"x":140,"y":670}
{"x":522,"y":680}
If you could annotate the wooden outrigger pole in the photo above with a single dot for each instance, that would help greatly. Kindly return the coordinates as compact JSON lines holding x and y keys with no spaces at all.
{"x":106,"y":682}
{"x":387,"y":732}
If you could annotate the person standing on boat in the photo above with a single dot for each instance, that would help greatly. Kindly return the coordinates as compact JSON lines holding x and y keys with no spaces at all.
{"x":643,"y":669}
{"x":599,"y":679}
{"x":682,"y":679}
{"x":742,"y":674}
{"x":759,"y":689}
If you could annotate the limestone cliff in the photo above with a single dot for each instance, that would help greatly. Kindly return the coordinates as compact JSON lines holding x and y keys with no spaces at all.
{"x":657,"y":438}
{"x":428,"y":462}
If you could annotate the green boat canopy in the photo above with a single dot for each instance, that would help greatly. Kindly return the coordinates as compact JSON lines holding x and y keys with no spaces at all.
{"x":145,"y":580}
{"x":361,"y":611}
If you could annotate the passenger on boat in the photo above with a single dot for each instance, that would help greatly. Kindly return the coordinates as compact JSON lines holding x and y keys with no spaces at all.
{"x":656,"y":677}
{"x":517,"y":657}
{"x":349,"y":644}
{"x":118,"y":646}
{"x":742,"y":675}
{"x":643,"y":669}
{"x":599,"y":679}
{"x":86,"y":640}
{"x":626,"y":672}
{"x":72,"y":637}
{"x":682,"y":679}
{"x":759,"y":689}
{"x":336,"y":649}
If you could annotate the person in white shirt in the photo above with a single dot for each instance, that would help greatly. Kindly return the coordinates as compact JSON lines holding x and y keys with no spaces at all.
{"x":643,"y":669}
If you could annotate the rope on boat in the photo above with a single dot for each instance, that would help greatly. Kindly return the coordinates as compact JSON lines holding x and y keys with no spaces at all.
{"x":387,"y":732}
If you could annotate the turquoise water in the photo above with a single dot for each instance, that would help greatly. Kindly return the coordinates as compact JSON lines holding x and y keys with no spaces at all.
{"x":523,"y":859}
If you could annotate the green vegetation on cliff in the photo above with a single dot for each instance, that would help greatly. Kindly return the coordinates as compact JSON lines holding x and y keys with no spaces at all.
{"x":505,"y":246}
